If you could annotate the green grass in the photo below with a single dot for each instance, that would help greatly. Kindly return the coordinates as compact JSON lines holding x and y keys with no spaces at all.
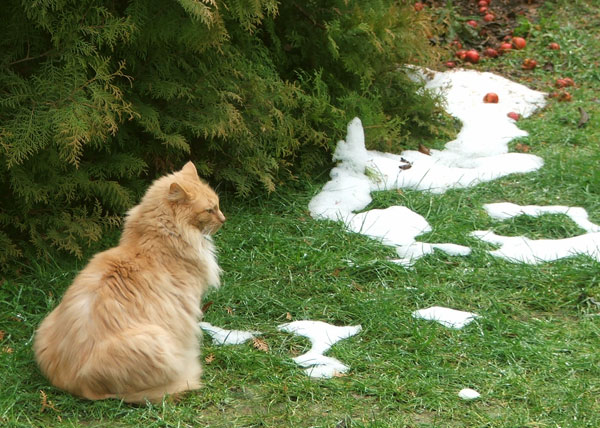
{"x":533,"y":355}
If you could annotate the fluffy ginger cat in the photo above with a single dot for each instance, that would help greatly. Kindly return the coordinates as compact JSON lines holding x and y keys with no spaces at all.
{"x":127,"y":327}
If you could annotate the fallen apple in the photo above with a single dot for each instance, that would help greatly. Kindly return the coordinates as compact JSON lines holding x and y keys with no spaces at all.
{"x":564,"y":97}
{"x":490,"y":53}
{"x":513,"y":115}
{"x":554,"y":46}
{"x":461,"y":54}
{"x":519,"y":42}
{"x":483,"y":9}
{"x":450,"y":64}
{"x":529,"y":64}
{"x":483,"y":3}
{"x":505,"y":47}
{"x":472,"y":23}
{"x":472,"y":56}
{"x":419,"y":6}
{"x":488,"y":17}
{"x":456,"y":44}
{"x":564,"y":82}
{"x":490,"y":97}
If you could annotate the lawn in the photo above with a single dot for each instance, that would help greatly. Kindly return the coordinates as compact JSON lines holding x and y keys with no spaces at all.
{"x":533,"y":354}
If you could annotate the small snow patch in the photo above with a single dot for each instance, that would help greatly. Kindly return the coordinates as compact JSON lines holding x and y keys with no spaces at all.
{"x":534,"y":251}
{"x":322,"y":337}
{"x":446,"y":316}
{"x":221,"y":336}
{"x":468,"y":394}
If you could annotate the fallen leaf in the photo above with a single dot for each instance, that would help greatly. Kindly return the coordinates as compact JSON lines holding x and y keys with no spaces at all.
{"x":584,"y":118}
{"x":336,"y":272}
{"x":260,"y":344}
{"x":424,"y":149}
{"x":7,"y":350}
{"x":229,"y":310}
{"x":1,"y":334}
{"x":209,"y":358}
{"x":523,"y":148}
{"x":206,"y":306}
{"x":407,"y":166}
{"x":46,"y":404}
{"x":288,"y":316}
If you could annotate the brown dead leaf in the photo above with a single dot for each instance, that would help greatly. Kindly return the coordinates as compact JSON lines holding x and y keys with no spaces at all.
{"x":336,"y":272}
{"x":288,"y":316}
{"x":46,"y":404}
{"x":1,"y":334}
{"x":523,"y":148}
{"x":424,"y":149}
{"x":7,"y":350}
{"x":584,"y":118}
{"x":206,"y":306}
{"x":260,"y":344}
{"x":407,"y":164}
{"x":209,"y":358}
{"x":229,"y":310}
{"x":357,"y":287}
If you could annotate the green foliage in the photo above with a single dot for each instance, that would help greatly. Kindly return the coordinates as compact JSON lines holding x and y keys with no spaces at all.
{"x":98,"y":97}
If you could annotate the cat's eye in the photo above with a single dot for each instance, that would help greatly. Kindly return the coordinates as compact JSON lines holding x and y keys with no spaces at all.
{"x":210,"y":211}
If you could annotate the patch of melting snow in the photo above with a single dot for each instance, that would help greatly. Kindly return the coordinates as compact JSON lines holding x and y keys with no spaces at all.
{"x":222,"y":336}
{"x":535,"y":251}
{"x":322,"y":336}
{"x":479,"y":154}
{"x":468,"y":394}
{"x":447,"y":317}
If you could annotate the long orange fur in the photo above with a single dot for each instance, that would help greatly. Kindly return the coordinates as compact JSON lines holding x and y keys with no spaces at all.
{"x":127,"y":327}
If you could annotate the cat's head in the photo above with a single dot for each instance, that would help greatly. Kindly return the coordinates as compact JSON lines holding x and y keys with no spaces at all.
{"x":193,"y":201}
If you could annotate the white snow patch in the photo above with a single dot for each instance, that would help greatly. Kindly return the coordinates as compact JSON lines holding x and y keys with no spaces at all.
{"x":448,"y":317}
{"x":221,"y":336}
{"x":506,"y":210}
{"x":535,"y":251}
{"x":322,"y":337}
{"x":480,"y":153}
{"x":468,"y":394}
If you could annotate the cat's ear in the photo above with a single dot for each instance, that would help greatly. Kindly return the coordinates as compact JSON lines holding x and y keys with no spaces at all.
{"x":177,"y":193}
{"x":190,"y":169}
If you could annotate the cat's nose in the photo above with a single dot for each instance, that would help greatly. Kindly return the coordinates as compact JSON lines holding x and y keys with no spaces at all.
{"x":221,"y":217}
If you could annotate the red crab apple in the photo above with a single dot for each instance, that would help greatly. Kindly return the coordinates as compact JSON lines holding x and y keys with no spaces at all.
{"x":564,"y":97}
{"x":514,"y":116}
{"x":563,"y":83}
{"x":519,"y":42}
{"x":505,"y":47}
{"x":419,"y":6}
{"x":456,"y":44}
{"x":483,"y":3}
{"x":490,"y":97}
{"x":450,"y":64}
{"x":529,"y":64}
{"x":554,"y":46}
{"x":472,"y":56}
{"x":483,"y":9}
{"x":488,"y":17}
{"x":461,"y":54}
{"x":472,"y":23}
{"x":490,"y":52}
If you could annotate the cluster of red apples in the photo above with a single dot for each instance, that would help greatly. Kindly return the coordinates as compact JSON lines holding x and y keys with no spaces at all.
{"x":509,"y":44}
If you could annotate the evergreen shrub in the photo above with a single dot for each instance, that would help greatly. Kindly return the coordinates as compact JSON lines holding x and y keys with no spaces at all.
{"x":100,"y":96}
